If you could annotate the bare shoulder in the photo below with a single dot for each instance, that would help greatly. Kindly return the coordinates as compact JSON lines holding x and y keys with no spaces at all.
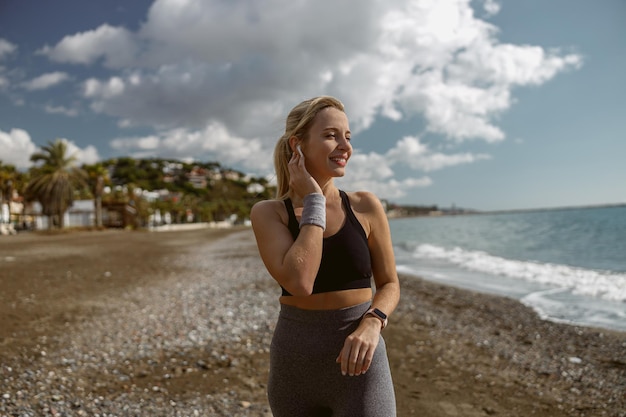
{"x":371,"y":214}
{"x":264,"y":206}
{"x":268,"y":210}
{"x":365,"y":202}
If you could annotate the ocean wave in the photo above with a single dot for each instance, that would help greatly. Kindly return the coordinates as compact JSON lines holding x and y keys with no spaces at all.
{"x":603,"y":284}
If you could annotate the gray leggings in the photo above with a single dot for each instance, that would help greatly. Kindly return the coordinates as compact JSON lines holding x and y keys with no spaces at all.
{"x":306,"y":381}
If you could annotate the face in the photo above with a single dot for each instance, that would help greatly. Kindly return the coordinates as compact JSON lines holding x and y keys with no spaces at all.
{"x":327,"y":148}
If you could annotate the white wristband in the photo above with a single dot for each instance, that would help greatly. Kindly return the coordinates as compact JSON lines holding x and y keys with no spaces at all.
{"x":314,"y":210}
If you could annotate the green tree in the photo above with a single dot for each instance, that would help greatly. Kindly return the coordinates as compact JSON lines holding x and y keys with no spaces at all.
{"x":8,"y":179}
{"x":97,"y":177}
{"x":54,"y":181}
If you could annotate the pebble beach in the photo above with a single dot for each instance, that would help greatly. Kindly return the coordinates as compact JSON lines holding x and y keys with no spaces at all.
{"x":123,"y":323}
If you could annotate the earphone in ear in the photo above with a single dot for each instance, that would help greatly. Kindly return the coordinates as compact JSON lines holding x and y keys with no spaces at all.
{"x":299,"y":150}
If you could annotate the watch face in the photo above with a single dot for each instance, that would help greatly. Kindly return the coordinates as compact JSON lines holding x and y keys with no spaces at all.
{"x":380,"y":314}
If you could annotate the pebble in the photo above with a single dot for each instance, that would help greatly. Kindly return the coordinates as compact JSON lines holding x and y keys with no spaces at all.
{"x":224,"y":305}
{"x":217,"y":306}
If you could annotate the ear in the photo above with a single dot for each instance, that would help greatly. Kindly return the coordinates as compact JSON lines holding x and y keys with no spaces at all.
{"x":293,"y":142}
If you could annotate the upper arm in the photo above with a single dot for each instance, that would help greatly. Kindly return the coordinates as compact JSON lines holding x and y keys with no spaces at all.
{"x":272,"y":236}
{"x":379,"y":239}
{"x":293,"y":264}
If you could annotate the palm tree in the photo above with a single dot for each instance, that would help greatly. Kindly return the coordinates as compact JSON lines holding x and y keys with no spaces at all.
{"x":8,"y":175}
{"x":54,"y":181}
{"x":97,"y":175}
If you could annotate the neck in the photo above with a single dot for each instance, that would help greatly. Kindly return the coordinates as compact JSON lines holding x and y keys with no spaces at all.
{"x":328,"y":188}
{"x":330,"y":191}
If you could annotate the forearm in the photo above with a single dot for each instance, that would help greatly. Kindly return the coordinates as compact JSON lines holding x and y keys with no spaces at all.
{"x":387,"y":297}
{"x":303,"y":259}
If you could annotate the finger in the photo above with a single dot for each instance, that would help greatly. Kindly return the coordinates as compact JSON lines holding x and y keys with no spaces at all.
{"x":367,"y":361}
{"x":353,"y":362}
{"x":344,"y":357}
{"x":361,"y":365}
{"x":344,"y":361}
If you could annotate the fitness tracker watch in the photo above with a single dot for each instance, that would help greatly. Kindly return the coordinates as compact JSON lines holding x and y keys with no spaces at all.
{"x":379,"y":315}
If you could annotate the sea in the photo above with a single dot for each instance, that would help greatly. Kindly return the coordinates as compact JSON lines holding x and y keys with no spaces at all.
{"x":569,"y":265}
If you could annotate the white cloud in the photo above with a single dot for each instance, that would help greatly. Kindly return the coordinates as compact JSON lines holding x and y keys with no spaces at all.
{"x":491,"y":7}
{"x":88,"y":155}
{"x":390,"y":188}
{"x":46,"y":81}
{"x":416,"y":57}
{"x":369,"y":166}
{"x":214,"y":142}
{"x":17,"y":147}
{"x":146,"y":143}
{"x":379,"y":173}
{"x":6,"y":48}
{"x":507,"y":65}
{"x":410,"y":151}
{"x":216,"y":79}
{"x":61,"y":110}
{"x":115,"y":45}
{"x":104,"y":90}
{"x":373,"y":172}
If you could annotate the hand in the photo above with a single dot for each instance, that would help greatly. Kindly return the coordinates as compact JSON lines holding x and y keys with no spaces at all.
{"x":299,"y":178}
{"x":358,"y":349}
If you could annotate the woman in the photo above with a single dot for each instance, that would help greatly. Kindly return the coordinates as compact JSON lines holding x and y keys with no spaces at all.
{"x":323,"y":246}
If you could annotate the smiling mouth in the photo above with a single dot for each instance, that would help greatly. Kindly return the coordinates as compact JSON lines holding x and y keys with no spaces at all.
{"x":339,"y":161}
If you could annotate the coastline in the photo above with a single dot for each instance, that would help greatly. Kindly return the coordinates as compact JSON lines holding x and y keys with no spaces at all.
{"x":136,"y":323}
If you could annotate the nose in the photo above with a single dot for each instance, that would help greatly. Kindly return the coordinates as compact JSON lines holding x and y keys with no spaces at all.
{"x":344,"y":143}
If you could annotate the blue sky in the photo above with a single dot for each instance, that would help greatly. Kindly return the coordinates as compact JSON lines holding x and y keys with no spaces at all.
{"x":480,"y":104}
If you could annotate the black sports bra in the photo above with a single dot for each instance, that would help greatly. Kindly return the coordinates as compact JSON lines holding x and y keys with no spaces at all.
{"x":346,"y":263}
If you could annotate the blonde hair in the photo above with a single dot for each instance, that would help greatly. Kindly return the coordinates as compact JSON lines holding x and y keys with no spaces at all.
{"x":298,"y":123}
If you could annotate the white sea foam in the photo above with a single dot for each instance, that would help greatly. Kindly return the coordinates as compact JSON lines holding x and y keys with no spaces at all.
{"x":601,"y":284}
{"x":559,"y":305}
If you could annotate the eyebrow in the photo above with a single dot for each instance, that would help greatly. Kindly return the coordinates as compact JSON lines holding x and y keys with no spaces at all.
{"x":335,"y":129}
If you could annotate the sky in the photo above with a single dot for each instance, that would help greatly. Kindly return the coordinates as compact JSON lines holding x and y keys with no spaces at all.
{"x":484,"y":104}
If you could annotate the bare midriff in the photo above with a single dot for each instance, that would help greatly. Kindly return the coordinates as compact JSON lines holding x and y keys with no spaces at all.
{"x":333,"y":300}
